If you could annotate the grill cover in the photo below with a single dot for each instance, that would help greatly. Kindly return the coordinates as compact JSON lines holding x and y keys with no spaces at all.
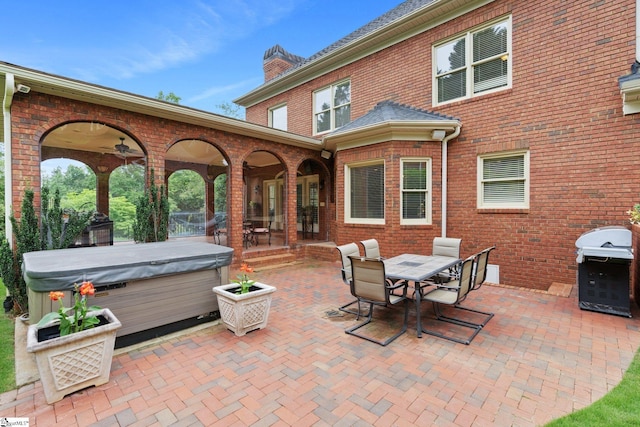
{"x":605,"y":242}
{"x":59,"y":269}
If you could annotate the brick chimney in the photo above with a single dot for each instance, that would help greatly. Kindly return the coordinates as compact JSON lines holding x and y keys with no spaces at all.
{"x":277,"y":60}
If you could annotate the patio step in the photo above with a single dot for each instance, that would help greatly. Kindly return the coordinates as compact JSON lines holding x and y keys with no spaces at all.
{"x":269,"y":261}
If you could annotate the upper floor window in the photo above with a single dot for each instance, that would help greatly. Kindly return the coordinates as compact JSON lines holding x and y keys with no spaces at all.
{"x":364,"y":192}
{"x":332,"y":107}
{"x":415,"y":184}
{"x":278,"y":117}
{"x":503,"y":180}
{"x":473,"y":63}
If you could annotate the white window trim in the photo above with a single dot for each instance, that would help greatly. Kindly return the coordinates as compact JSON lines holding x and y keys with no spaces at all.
{"x":470,"y":64}
{"x":428,"y":216}
{"x":332,"y":118}
{"x":274,"y":108}
{"x":527,"y":183}
{"x":347,"y":193}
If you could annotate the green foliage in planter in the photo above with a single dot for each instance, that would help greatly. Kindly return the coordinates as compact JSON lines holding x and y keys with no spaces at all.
{"x":152,"y":214}
{"x":634,"y":214}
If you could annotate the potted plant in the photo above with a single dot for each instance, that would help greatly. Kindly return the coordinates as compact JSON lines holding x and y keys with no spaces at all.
{"x":73,"y":346}
{"x":244,"y":304}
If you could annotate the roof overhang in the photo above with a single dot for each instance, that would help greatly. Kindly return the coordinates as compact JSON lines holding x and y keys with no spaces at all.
{"x":630,"y":90}
{"x":391,"y":131}
{"x":94,"y":94}
{"x":416,"y":22}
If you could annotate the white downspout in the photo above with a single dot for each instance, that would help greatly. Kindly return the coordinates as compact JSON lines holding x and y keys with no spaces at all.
{"x":444,"y":177}
{"x":9,"y":90}
{"x":638,"y":31}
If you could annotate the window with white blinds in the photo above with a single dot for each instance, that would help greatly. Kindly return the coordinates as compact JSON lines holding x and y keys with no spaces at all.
{"x":416,"y":191}
{"x":364,"y":193}
{"x":473,"y":63}
{"x":503,"y":180}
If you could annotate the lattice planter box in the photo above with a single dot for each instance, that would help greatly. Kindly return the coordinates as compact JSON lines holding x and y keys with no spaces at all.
{"x":73,"y":362}
{"x":242,"y":313}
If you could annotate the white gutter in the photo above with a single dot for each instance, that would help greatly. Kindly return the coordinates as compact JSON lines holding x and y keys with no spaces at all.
{"x":444,"y":177}
{"x":9,"y":90}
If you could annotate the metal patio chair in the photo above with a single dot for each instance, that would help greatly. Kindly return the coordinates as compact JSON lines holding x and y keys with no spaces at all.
{"x":370,"y":286}
{"x":350,"y":249}
{"x":479,"y":277}
{"x":446,"y":246}
{"x":371,"y":248}
{"x":451,"y":294}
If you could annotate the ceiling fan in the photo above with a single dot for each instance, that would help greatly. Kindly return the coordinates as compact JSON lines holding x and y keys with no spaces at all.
{"x":123,"y":151}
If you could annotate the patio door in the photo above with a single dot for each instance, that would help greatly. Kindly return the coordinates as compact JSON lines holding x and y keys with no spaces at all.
{"x":273,"y":199}
{"x":307,"y":203}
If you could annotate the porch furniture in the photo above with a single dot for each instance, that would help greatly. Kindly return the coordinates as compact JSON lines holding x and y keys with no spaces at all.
{"x":417,"y":269}
{"x":247,"y":234}
{"x":479,"y":277}
{"x":446,"y":246}
{"x":217,"y":232}
{"x":307,"y":221}
{"x":370,"y":286}
{"x":350,"y":249}
{"x":371,"y":248}
{"x":257,"y":231}
{"x":452,"y":294}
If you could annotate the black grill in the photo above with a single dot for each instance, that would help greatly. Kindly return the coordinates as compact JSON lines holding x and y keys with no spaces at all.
{"x":604,"y":255}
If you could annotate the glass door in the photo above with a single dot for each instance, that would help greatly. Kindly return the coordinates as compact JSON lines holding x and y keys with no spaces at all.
{"x":307,"y":205}
{"x":273,"y":199}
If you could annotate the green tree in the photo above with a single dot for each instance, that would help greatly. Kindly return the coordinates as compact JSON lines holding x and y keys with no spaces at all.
{"x":152,"y":214}
{"x":27,"y":236}
{"x":73,"y":179}
{"x":61,"y":227}
{"x":230,"y":110}
{"x":186,"y":191}
{"x":122,"y":212}
{"x":170,"y":97}
{"x":220,"y":193}
{"x":127,"y":181}
{"x":80,"y":201}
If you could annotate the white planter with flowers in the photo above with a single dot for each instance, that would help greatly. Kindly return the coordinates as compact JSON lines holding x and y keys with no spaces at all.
{"x":244,"y":304}
{"x":74,"y":346}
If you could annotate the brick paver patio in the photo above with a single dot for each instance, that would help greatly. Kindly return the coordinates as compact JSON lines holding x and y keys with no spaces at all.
{"x":540,"y":357}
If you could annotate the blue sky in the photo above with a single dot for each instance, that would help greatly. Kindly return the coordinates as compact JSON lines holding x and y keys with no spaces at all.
{"x":205,"y":51}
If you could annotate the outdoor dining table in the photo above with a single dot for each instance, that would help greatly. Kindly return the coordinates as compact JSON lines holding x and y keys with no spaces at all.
{"x":417,"y":268}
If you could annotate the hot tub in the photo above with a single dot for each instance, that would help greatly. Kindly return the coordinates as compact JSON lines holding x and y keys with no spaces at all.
{"x":147,"y":286}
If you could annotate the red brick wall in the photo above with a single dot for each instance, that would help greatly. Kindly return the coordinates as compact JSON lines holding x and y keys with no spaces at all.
{"x":564,"y":106}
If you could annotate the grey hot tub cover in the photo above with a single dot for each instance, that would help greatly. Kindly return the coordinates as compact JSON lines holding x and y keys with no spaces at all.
{"x":59,"y":269}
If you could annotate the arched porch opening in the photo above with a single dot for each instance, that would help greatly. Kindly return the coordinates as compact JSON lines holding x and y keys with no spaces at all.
{"x":112,"y":159}
{"x":205,"y":214}
{"x":264,"y":201}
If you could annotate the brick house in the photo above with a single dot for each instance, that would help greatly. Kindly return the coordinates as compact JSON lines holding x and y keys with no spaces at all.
{"x":519,"y":117}
{"x":513,"y":123}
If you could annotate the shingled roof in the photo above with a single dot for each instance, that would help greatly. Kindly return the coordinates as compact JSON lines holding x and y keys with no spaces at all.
{"x":389,"y":111}
{"x":397,"y":12}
